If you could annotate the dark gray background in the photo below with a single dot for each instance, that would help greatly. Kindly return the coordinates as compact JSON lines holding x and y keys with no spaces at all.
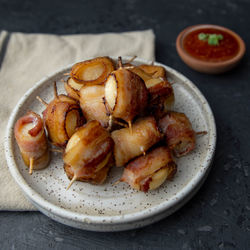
{"x":218,"y":216}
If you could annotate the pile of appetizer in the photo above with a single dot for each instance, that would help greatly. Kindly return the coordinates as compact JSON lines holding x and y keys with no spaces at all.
{"x":114,"y":114}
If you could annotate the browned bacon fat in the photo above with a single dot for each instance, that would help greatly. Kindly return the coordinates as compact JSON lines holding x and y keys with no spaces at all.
{"x":62,"y":116}
{"x":161,"y":96}
{"x":95,"y":178}
{"x":32,"y":141}
{"x":88,"y":151}
{"x":72,"y":88}
{"x":180,"y":136}
{"x":126,"y":94}
{"x":129,"y":145}
{"x":92,"y":72}
{"x":150,"y":171}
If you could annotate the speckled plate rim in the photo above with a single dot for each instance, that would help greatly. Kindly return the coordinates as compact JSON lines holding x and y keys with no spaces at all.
{"x":38,"y":200}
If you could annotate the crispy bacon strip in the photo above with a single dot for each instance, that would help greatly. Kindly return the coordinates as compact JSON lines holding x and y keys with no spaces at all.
{"x":155,"y":71}
{"x":161,"y":94}
{"x":95,"y":178}
{"x":128,"y":146}
{"x":32,"y":141}
{"x":150,"y":171}
{"x":180,"y":136}
{"x":31,"y":118}
{"x":126,"y":94}
{"x":62,"y":116}
{"x":92,"y":72}
{"x":72,"y":88}
{"x":92,"y":104}
{"x":59,"y":125}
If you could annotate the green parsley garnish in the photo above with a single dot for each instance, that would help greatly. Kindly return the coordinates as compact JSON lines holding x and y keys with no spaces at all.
{"x":212,"y":39}
{"x":203,"y":36}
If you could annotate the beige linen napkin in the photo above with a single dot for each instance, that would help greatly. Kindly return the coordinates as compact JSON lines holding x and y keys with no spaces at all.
{"x":26,"y":58}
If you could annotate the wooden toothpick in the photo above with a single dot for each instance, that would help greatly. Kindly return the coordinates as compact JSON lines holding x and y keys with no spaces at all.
{"x":115,"y":183}
{"x":31,"y":165}
{"x":131,"y":60}
{"x":71,"y":182}
{"x":42,"y":101}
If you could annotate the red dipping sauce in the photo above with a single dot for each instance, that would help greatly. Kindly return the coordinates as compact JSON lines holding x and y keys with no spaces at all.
{"x":228,"y":47}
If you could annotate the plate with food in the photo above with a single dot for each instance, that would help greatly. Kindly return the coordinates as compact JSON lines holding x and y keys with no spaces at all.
{"x":111,"y":144}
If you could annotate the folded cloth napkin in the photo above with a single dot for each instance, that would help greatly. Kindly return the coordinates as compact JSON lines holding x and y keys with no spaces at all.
{"x":26,"y":58}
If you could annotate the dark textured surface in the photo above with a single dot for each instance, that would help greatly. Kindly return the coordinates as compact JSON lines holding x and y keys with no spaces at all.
{"x":218,"y":216}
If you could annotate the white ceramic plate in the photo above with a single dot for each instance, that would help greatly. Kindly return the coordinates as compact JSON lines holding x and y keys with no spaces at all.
{"x":107,"y":207}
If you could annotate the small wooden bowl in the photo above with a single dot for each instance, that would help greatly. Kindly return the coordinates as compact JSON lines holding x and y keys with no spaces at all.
{"x":208,"y":66}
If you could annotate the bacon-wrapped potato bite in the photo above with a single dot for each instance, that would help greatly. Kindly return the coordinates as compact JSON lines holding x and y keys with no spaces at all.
{"x":31,"y":139}
{"x":161,"y":94}
{"x":88,"y":151}
{"x":92,"y":72}
{"x":128,"y":146}
{"x":92,"y":105}
{"x":150,"y":171}
{"x":125,"y":94}
{"x":180,"y":136}
{"x":62,"y":116}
